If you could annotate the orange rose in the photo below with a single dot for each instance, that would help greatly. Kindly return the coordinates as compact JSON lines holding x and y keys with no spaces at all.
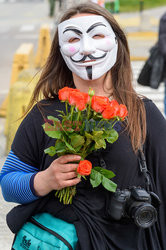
{"x":84,"y":167}
{"x":86,"y":97}
{"x":122,"y":113}
{"x":109,"y":112}
{"x":99,"y":103}
{"x":115,"y":105}
{"x":64,"y":93}
{"x":78,"y":99}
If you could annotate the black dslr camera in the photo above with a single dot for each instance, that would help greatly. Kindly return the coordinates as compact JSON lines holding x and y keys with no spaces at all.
{"x":135,"y":203}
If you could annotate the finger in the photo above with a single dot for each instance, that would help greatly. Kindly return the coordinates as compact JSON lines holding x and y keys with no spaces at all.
{"x":65,"y":168}
{"x":72,"y":182}
{"x":70,"y":176}
{"x":68,"y":158}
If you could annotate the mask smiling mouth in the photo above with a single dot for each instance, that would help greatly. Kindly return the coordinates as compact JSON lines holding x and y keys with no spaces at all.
{"x":92,"y":58}
{"x":89,"y":61}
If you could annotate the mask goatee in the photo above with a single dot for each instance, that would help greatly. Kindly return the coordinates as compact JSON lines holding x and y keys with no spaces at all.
{"x":89,"y":72}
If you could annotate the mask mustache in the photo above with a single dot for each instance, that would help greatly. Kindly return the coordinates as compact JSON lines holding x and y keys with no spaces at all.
{"x":88,"y":56}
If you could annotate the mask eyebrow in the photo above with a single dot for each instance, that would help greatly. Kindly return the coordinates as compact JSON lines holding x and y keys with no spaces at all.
{"x":71,"y":28}
{"x":94,"y":26}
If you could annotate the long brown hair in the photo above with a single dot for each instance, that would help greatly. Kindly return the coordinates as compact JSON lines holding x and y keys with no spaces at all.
{"x":56,"y":75}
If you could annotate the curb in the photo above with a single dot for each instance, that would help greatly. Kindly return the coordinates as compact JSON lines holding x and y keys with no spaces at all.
{"x":137,"y":21}
{"x":143,"y":35}
{"x":138,"y":58}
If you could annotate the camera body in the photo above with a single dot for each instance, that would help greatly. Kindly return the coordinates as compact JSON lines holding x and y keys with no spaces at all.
{"x":135,"y":203}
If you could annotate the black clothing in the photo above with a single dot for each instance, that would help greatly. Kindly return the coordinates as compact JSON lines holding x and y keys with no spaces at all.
{"x":154,"y":69}
{"x":89,"y":209}
{"x":162,"y":35}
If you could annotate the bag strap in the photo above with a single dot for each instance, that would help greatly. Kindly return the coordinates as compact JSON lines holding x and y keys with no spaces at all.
{"x":36,"y":223}
{"x":149,"y":180}
{"x":143,"y":168}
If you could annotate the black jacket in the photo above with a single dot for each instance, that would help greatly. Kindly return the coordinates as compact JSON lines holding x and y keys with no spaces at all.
{"x":89,"y":211}
{"x":162,"y":36}
{"x":154,"y":69}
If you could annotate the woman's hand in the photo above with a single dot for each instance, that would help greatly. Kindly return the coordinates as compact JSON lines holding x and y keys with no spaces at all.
{"x":61,"y":173}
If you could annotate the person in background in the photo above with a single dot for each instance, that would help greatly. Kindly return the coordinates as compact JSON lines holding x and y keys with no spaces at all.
{"x":89,"y":49}
{"x":162,"y":49}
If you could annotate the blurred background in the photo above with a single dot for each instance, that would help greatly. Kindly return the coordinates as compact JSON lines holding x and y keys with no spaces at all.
{"x":26,"y":30}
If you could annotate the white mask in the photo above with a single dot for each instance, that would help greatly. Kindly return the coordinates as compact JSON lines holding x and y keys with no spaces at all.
{"x":88,"y":46}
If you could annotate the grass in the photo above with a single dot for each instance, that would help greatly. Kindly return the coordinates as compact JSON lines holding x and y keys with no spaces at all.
{"x":134,"y":5}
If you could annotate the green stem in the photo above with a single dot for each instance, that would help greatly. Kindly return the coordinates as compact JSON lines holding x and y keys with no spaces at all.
{"x":78,"y":116}
{"x":100,"y":122}
{"x":89,"y":107}
{"x":116,"y":120}
{"x":72,"y":110}
{"x":64,"y":131}
{"x":84,"y":150}
{"x":66,"y":105}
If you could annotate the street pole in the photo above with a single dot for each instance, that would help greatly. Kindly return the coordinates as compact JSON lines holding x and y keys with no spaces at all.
{"x":141,"y":6}
{"x":144,"y":19}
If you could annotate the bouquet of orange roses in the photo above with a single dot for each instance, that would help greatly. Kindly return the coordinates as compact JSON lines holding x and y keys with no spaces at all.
{"x":86,"y":128}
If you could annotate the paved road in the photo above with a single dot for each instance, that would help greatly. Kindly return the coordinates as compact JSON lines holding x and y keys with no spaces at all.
{"x":5,"y":234}
{"x":20,"y":23}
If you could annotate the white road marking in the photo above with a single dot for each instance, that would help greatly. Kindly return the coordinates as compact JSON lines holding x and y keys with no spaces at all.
{"x":27,"y":28}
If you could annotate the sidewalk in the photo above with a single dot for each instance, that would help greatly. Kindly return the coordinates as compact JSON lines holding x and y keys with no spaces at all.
{"x":6,"y":236}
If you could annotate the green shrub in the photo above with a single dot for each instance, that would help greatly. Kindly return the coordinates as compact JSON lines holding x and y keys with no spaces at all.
{"x":134,"y":5}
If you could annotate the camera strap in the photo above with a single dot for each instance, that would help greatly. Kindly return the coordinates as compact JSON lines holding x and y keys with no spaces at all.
{"x":143,"y":168}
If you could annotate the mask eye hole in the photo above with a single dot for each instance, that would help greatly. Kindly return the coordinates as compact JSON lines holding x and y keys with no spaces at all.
{"x":98,"y":36}
{"x":74,"y":40}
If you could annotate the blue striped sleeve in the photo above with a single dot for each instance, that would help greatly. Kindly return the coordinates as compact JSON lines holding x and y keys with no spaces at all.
{"x":15,"y":180}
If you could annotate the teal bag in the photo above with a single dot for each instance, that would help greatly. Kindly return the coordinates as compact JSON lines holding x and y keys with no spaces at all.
{"x":46,"y":232}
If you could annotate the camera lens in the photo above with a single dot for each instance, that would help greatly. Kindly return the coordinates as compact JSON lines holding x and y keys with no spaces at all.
{"x":144,"y":215}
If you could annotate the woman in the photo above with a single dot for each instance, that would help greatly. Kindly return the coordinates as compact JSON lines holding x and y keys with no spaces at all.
{"x":162,"y":49}
{"x":88,"y":50}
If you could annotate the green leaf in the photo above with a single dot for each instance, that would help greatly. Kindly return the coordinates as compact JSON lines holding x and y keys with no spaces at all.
{"x":69,"y":146}
{"x":90,"y":124}
{"x":112,"y":136}
{"x":99,"y":175}
{"x":91,"y":149}
{"x":89,"y":136}
{"x":77,"y":140}
{"x":100,"y":143}
{"x":95,"y":178}
{"x":60,"y":146}
{"x":61,"y":112}
{"x":88,"y":141}
{"x":78,"y":149}
{"x":97,"y":134}
{"x":108,"y":184}
{"x":105,"y":172}
{"x":51,"y":132}
{"x":52,"y":118}
{"x":51,"y":151}
{"x":107,"y":125}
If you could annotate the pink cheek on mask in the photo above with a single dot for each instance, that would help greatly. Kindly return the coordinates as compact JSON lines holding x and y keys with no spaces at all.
{"x":108,"y":42}
{"x":72,"y":49}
